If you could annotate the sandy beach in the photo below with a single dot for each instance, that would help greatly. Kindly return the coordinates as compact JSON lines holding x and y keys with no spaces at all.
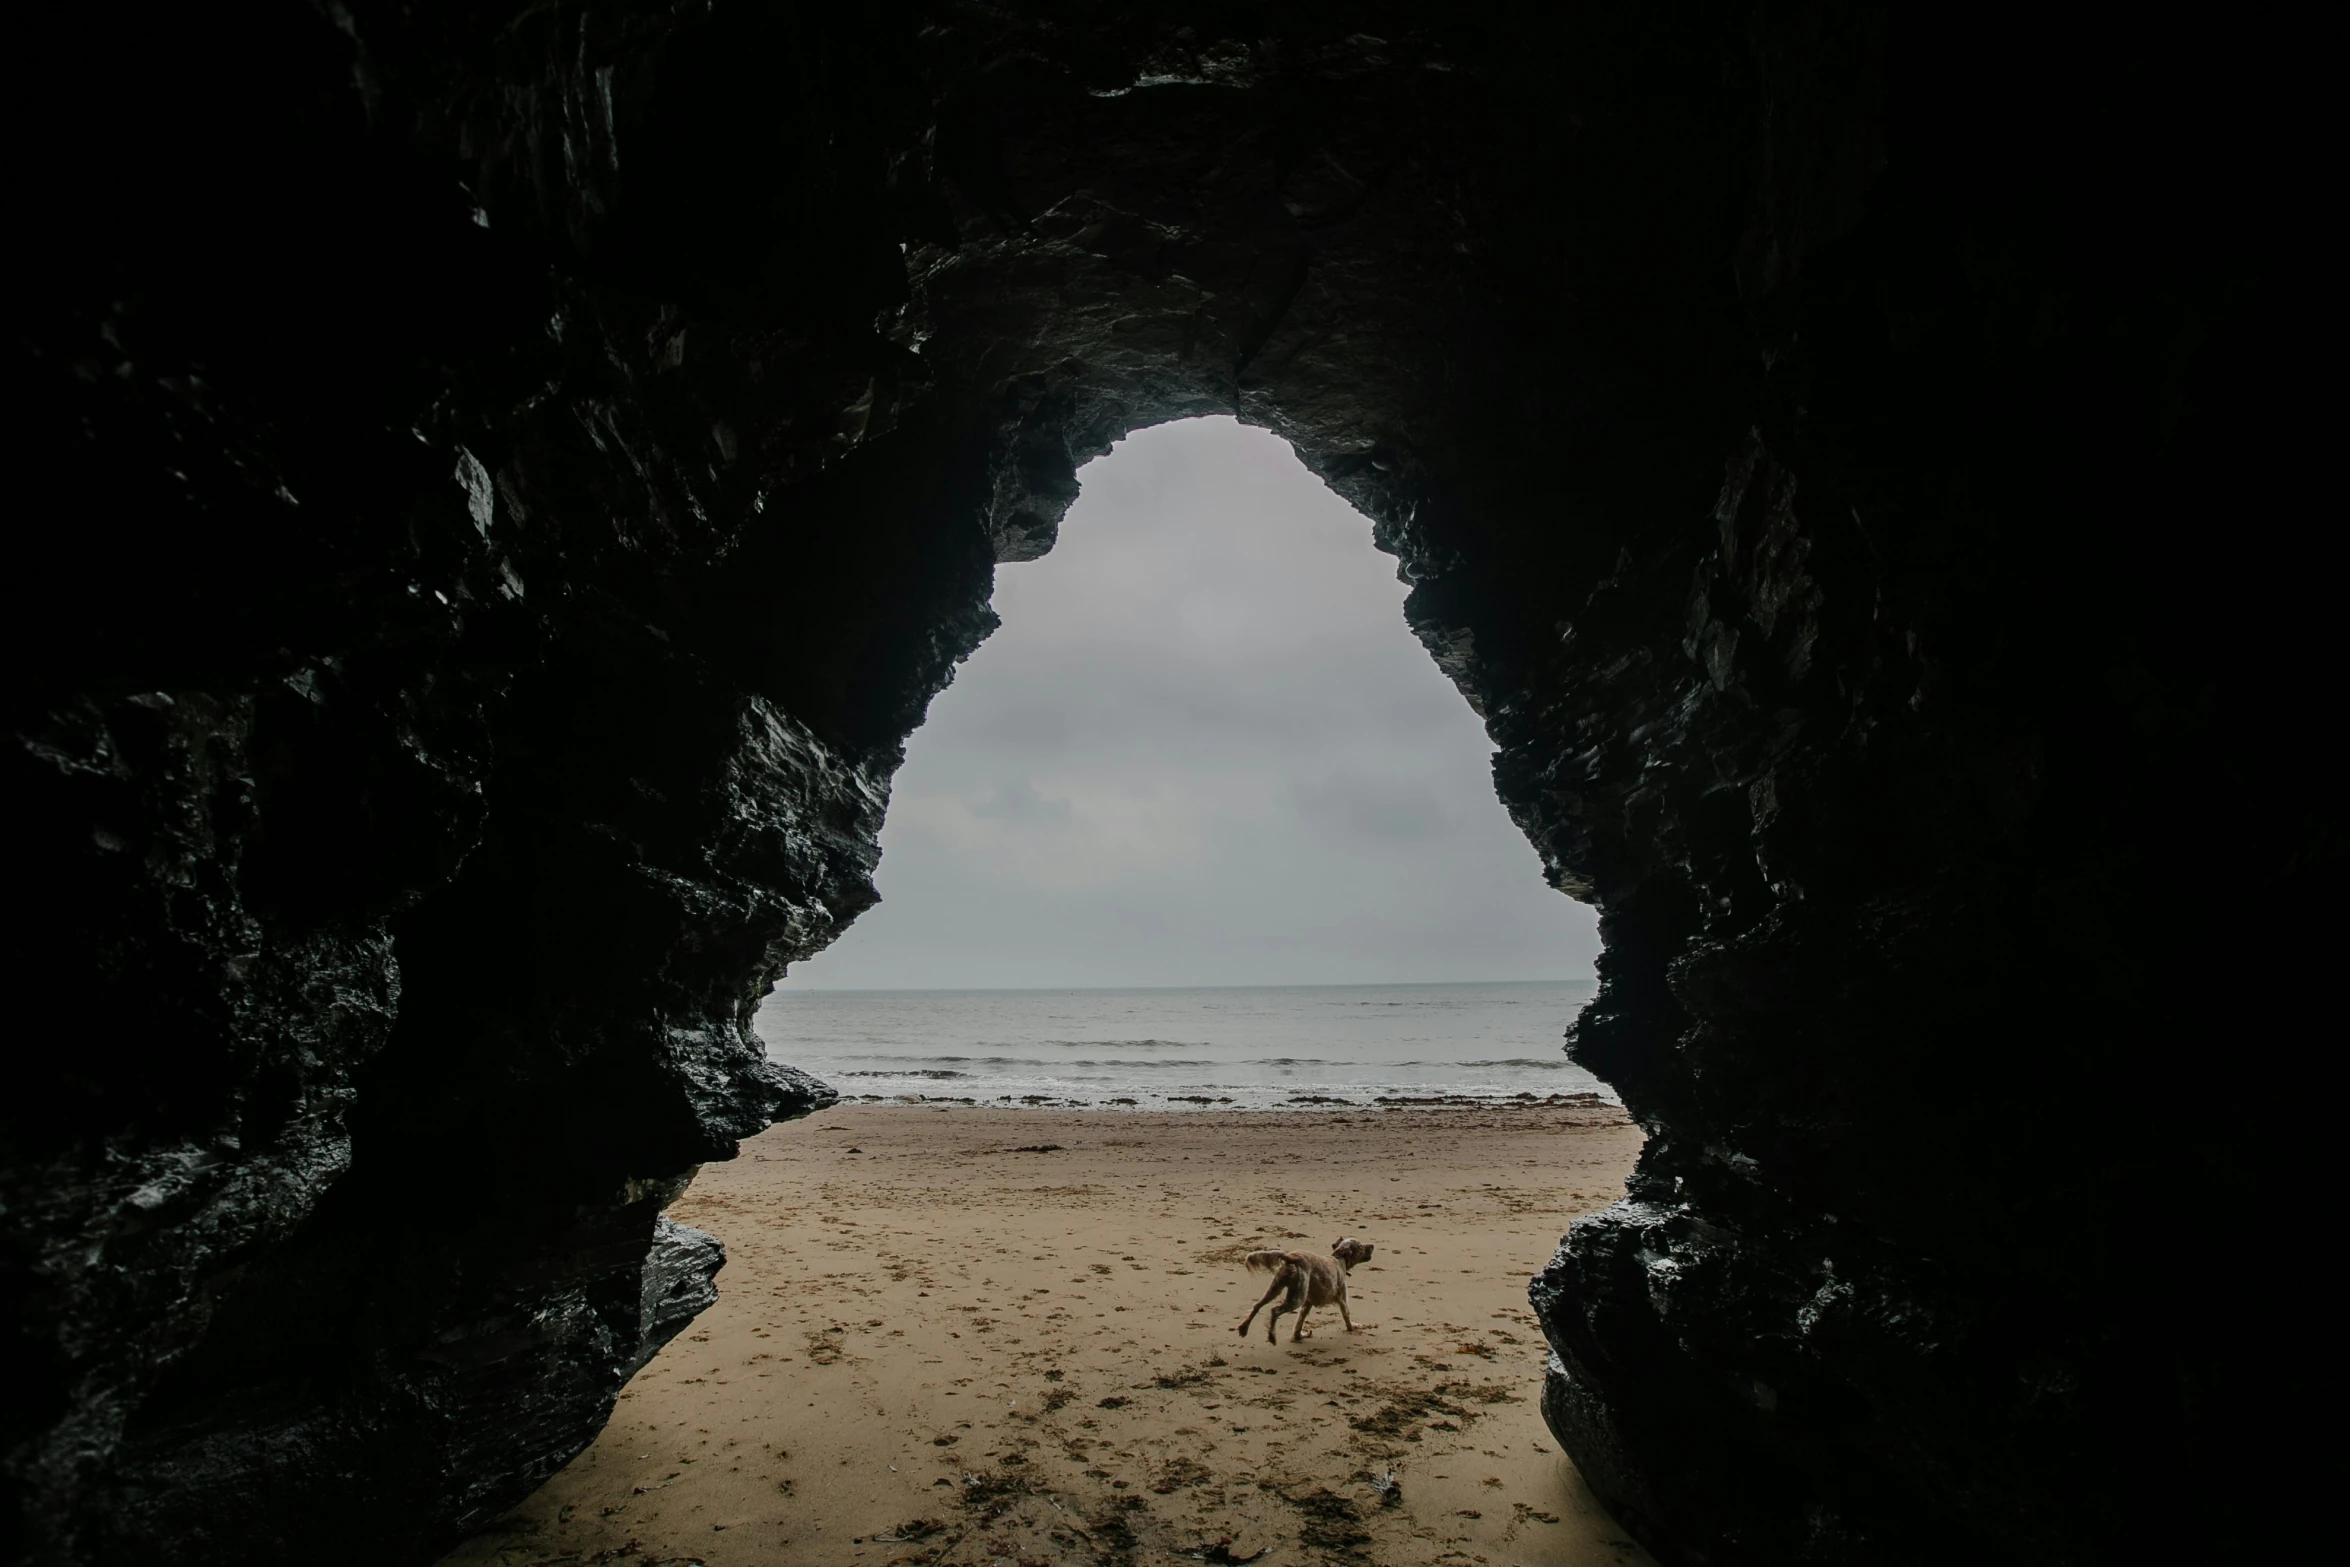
{"x":981,"y":1336}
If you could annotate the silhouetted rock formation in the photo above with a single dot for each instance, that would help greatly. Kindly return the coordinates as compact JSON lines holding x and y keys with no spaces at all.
{"x":497,"y":486}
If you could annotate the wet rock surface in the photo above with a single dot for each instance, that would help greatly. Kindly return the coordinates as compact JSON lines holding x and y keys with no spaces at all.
{"x":503,"y":483}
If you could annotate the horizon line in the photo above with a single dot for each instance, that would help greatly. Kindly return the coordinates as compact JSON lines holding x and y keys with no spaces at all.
{"x":1348,"y":984}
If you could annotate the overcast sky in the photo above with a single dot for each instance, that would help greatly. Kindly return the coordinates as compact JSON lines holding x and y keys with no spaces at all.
{"x":1204,"y":749}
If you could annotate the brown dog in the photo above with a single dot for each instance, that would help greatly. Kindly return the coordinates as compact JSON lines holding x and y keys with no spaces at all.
{"x":1309,"y":1282}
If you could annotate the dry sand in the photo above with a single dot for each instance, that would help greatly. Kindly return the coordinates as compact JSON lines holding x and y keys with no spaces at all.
{"x":935,"y":1342}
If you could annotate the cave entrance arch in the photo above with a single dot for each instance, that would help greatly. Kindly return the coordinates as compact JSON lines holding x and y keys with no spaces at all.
{"x":1203,"y":748}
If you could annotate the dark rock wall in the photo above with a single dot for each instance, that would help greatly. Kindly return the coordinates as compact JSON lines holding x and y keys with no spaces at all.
{"x":497,"y":486}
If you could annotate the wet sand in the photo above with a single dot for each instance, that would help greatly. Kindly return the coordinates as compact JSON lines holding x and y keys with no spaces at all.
{"x":979,"y":1336}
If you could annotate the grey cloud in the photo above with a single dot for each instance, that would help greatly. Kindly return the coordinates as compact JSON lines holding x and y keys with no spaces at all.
{"x":1019,"y":801}
{"x":1030,"y":727}
{"x":1372,"y":807}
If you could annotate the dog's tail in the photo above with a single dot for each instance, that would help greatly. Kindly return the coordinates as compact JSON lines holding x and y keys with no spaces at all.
{"x":1267,"y":1261}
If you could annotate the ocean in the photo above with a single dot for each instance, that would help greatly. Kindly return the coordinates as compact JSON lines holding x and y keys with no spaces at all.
{"x":1243,"y":1047}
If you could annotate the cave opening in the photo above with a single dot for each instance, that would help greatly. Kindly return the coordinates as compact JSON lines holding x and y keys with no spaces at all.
{"x":1203,"y":751}
{"x":1203,"y":823}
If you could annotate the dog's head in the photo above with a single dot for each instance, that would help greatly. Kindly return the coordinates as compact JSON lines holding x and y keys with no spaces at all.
{"x":1350,"y":1252}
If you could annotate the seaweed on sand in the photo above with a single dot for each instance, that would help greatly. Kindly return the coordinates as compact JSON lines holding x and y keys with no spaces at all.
{"x":1332,"y":1523}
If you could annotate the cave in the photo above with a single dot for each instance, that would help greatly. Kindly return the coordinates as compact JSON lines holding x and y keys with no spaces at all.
{"x":504,"y":482}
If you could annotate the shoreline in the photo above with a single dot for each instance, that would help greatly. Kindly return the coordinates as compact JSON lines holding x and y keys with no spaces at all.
{"x":1184,"y":1048}
{"x":954,"y":1335}
{"x":1193,"y":1104}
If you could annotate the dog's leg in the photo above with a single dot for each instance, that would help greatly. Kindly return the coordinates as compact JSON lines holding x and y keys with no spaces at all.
{"x":1273,"y":1323}
{"x":1344,"y":1315}
{"x":1299,"y":1331}
{"x":1271,"y":1291}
